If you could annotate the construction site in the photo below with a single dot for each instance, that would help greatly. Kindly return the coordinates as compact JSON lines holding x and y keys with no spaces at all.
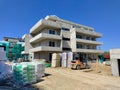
{"x":58,"y":54}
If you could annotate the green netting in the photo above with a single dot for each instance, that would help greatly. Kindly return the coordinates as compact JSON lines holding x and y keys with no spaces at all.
{"x":13,"y":50}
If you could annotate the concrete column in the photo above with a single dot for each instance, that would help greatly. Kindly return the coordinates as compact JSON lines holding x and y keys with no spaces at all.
{"x":73,"y":39}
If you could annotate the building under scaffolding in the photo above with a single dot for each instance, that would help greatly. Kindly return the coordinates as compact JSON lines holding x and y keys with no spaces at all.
{"x":13,"y":48}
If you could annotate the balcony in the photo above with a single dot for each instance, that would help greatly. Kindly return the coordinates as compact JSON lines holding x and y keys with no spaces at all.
{"x":89,"y":51}
{"x":44,"y":24}
{"x":42,"y":36}
{"x":88,"y":41}
{"x":92,"y":33}
{"x":46,"y":48}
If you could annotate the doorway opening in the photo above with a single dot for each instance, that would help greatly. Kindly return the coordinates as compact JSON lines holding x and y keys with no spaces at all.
{"x":50,"y":57}
{"x":118,"y":66}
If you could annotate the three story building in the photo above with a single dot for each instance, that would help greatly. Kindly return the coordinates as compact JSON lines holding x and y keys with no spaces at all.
{"x":55,"y":35}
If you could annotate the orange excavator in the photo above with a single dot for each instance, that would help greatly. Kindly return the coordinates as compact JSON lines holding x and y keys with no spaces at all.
{"x":77,"y":64}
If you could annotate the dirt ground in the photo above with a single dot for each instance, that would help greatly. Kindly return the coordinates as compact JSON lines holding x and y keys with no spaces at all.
{"x":100,"y":69}
{"x":66,"y":79}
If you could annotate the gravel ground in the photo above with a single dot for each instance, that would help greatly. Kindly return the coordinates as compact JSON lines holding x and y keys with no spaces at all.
{"x":66,"y":79}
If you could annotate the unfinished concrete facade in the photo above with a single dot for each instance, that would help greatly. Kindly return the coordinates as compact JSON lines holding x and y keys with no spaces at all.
{"x":27,"y":46}
{"x":115,"y":61}
{"x":54,"y":35}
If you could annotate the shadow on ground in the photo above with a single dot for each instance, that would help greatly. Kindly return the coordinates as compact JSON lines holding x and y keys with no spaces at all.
{"x":28,"y":87}
{"x":20,"y":87}
{"x":47,"y":74}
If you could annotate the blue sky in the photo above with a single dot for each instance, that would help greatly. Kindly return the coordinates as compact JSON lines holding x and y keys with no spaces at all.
{"x":18,"y":16}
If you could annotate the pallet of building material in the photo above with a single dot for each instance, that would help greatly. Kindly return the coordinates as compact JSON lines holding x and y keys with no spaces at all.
{"x":39,"y":70}
{"x":70,"y":58}
{"x":64,"y":59}
{"x":28,"y":72}
{"x":24,"y":73}
{"x":55,"y":56}
{"x":39,"y":67}
{"x":69,"y":63}
{"x":64,"y":56}
{"x":64,"y":63}
{"x":56,"y":63}
{"x":55,"y":60}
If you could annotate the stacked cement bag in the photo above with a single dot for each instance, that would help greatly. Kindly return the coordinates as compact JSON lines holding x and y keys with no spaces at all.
{"x":70,"y":58}
{"x":24,"y":73}
{"x":55,"y":60}
{"x":28,"y":72}
{"x":64,"y":59}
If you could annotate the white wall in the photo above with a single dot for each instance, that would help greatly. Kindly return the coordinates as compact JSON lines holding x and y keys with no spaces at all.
{"x":27,"y":43}
{"x":65,"y":34}
{"x":66,"y":44}
{"x":114,"y":56}
{"x":73,"y":39}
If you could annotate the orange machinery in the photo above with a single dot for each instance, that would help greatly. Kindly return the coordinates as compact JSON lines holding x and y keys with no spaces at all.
{"x":77,"y":64}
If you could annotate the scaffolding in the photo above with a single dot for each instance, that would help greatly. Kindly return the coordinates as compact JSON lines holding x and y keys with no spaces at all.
{"x":13,"y":50}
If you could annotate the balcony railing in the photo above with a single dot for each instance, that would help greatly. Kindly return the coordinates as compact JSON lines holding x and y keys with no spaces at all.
{"x":88,"y":32}
{"x":46,"y":48}
{"x":88,"y":41}
{"x":89,"y":51}
{"x":42,"y":36}
{"x":42,"y":24}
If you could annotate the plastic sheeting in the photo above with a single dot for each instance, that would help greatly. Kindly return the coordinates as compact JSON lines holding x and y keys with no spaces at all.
{"x":5,"y":71}
{"x":2,"y":55}
{"x":70,"y":58}
{"x":64,"y":59}
{"x":28,"y":72}
{"x":24,"y":73}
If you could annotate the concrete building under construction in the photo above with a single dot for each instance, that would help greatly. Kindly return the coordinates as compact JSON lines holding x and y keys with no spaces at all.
{"x":13,"y":47}
{"x":55,"y":35}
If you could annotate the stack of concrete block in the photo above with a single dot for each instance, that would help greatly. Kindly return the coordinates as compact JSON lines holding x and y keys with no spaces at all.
{"x":55,"y":60}
{"x":70,"y":58}
{"x":64,"y":59}
{"x":39,"y":70}
{"x":39,"y":67}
